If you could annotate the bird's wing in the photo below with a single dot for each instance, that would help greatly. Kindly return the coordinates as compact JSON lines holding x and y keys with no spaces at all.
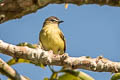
{"x":62,"y":36}
{"x":40,"y":42}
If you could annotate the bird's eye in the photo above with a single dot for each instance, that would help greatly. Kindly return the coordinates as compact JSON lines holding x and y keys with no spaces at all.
{"x":52,"y":20}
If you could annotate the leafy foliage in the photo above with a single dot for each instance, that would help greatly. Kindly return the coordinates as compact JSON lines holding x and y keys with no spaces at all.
{"x":116,"y":76}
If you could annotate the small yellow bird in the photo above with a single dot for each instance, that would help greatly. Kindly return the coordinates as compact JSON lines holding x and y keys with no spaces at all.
{"x":51,"y":37}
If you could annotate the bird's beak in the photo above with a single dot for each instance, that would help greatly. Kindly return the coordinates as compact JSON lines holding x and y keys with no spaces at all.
{"x":61,"y":21}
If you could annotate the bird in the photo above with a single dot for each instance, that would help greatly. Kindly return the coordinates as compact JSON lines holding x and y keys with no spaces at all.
{"x":51,"y":37}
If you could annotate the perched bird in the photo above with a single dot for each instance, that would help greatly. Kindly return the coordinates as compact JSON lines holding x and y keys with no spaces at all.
{"x":51,"y":37}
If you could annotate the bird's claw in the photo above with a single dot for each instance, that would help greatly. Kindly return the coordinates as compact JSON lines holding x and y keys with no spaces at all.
{"x":64,"y":56}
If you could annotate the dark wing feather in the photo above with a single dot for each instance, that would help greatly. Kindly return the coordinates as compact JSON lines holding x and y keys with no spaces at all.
{"x":62,"y":36}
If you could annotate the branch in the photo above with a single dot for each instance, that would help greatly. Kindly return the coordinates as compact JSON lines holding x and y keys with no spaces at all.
{"x":38,"y":56}
{"x":12,"y":9}
{"x":10,"y":72}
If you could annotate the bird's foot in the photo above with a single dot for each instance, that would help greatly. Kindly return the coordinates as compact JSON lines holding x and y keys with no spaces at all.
{"x":64,"y":56}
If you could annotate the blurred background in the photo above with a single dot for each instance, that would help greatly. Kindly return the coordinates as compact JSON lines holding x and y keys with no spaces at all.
{"x":90,"y":30}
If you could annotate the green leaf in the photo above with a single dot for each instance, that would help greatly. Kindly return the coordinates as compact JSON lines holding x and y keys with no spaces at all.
{"x":68,"y":76}
{"x":28,"y":45}
{"x":16,"y":61}
{"x":116,"y":76}
{"x":46,"y":78}
{"x":9,"y":79}
{"x":85,"y":76}
{"x":54,"y":76}
{"x":79,"y":74}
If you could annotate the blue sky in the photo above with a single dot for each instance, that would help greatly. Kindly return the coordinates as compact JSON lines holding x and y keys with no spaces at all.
{"x":90,"y":30}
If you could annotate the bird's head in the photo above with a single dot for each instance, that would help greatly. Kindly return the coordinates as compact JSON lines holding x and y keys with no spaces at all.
{"x":52,"y":20}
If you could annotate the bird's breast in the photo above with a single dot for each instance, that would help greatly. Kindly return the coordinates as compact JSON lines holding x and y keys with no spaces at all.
{"x":50,"y":37}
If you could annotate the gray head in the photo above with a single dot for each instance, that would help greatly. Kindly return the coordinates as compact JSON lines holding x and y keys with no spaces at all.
{"x":52,"y":20}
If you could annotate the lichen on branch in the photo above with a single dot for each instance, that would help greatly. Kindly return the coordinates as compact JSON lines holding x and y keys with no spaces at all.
{"x":38,"y":56}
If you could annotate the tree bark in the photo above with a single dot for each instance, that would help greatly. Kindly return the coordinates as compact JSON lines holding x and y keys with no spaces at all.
{"x":13,"y":9}
{"x":38,"y":56}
